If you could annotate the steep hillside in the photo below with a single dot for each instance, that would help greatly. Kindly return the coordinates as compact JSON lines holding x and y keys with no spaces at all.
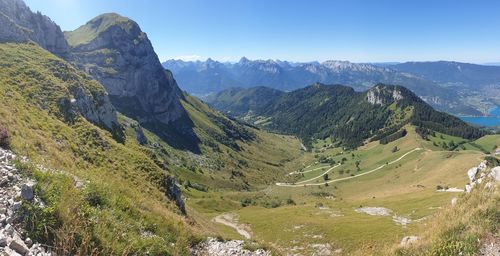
{"x":91,"y":173}
{"x":87,"y":175}
{"x":349,"y":117}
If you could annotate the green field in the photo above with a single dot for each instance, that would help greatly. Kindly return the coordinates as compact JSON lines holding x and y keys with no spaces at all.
{"x":318,"y":219}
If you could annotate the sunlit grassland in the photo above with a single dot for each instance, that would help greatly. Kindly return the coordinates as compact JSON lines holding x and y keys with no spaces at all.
{"x":326,"y":214}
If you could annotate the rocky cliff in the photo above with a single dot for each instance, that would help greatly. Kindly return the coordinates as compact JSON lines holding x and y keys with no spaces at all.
{"x":115,"y":51}
{"x":19,"y":24}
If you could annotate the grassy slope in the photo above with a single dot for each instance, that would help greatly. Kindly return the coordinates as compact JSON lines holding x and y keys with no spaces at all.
{"x":93,"y":28}
{"x":124,"y":179}
{"x":123,"y":183}
{"x":408,"y":188}
{"x":461,"y":229}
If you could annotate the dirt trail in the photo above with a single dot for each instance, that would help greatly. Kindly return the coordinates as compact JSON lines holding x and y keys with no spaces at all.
{"x":346,"y":178}
{"x":231,"y":221}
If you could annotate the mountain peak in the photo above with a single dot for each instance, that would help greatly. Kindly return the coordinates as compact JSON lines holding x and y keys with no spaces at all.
{"x":93,"y":28}
{"x":244,"y":60}
{"x":123,"y":60}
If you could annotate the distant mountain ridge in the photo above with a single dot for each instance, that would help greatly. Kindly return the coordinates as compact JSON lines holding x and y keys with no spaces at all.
{"x":205,"y":77}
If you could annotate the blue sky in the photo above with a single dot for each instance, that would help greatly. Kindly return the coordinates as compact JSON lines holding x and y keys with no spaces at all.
{"x":355,"y":30}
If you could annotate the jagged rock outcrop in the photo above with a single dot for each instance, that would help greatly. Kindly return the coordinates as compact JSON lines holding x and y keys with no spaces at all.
{"x":174,"y":193}
{"x":383,"y":95}
{"x":64,"y":89}
{"x":95,"y":107}
{"x":19,"y":24}
{"x":115,"y":51}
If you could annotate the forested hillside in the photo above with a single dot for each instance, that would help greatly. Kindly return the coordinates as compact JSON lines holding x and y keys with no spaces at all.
{"x":348,"y":117}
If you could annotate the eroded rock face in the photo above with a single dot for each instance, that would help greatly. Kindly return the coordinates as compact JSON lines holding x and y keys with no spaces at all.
{"x":379,"y":95}
{"x":96,"y":108}
{"x":121,"y":57}
{"x":173,"y":192}
{"x":19,"y":24}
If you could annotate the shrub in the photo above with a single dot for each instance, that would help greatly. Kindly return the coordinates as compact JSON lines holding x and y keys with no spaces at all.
{"x":4,"y":137}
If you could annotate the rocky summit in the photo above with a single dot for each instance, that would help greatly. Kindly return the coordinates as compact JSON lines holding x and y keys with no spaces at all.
{"x":15,"y":188}
{"x":115,"y":51}
{"x":19,"y":24}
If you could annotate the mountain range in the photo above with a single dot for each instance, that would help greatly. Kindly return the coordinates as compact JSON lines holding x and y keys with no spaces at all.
{"x":102,"y":153}
{"x":452,"y":87}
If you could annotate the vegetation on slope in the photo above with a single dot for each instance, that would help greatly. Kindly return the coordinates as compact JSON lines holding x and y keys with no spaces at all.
{"x":88,"y":32}
{"x":102,"y":196}
{"x":109,"y":195}
{"x":348,"y":117}
{"x":463,"y":229}
{"x":239,"y":101}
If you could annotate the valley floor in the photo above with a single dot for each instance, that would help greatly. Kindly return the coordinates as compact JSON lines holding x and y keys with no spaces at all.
{"x":367,"y":204}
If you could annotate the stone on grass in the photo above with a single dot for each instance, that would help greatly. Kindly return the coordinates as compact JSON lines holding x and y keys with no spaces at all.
{"x":27,"y":191}
{"x":495,"y":173}
{"x":408,"y":240}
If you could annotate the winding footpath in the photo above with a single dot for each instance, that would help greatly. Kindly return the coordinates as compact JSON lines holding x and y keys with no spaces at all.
{"x":301,"y":183}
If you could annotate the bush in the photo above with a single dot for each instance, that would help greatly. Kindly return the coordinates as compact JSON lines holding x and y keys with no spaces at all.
{"x":4,"y":137}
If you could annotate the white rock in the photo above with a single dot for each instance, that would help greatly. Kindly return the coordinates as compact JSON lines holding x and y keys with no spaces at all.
{"x":468,"y":188}
{"x":495,"y":173}
{"x":376,"y":211}
{"x":28,"y":242}
{"x":3,"y":240}
{"x":472,"y":173}
{"x":454,"y":201}
{"x":408,"y":240}
{"x":482,"y":166}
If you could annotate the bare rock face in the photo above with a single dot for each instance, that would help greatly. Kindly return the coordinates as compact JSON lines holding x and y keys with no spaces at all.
{"x":115,"y":51}
{"x":383,"y":95}
{"x":173,"y":192}
{"x":19,"y":24}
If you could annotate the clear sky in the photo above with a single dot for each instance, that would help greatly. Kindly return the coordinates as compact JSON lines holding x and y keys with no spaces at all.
{"x":305,"y":30}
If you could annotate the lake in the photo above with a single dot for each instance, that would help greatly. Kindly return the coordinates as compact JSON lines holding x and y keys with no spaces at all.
{"x":492,"y":120}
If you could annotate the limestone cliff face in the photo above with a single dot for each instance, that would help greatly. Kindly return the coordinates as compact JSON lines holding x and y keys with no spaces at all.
{"x":115,"y":51}
{"x":383,"y":95}
{"x":19,"y":24}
